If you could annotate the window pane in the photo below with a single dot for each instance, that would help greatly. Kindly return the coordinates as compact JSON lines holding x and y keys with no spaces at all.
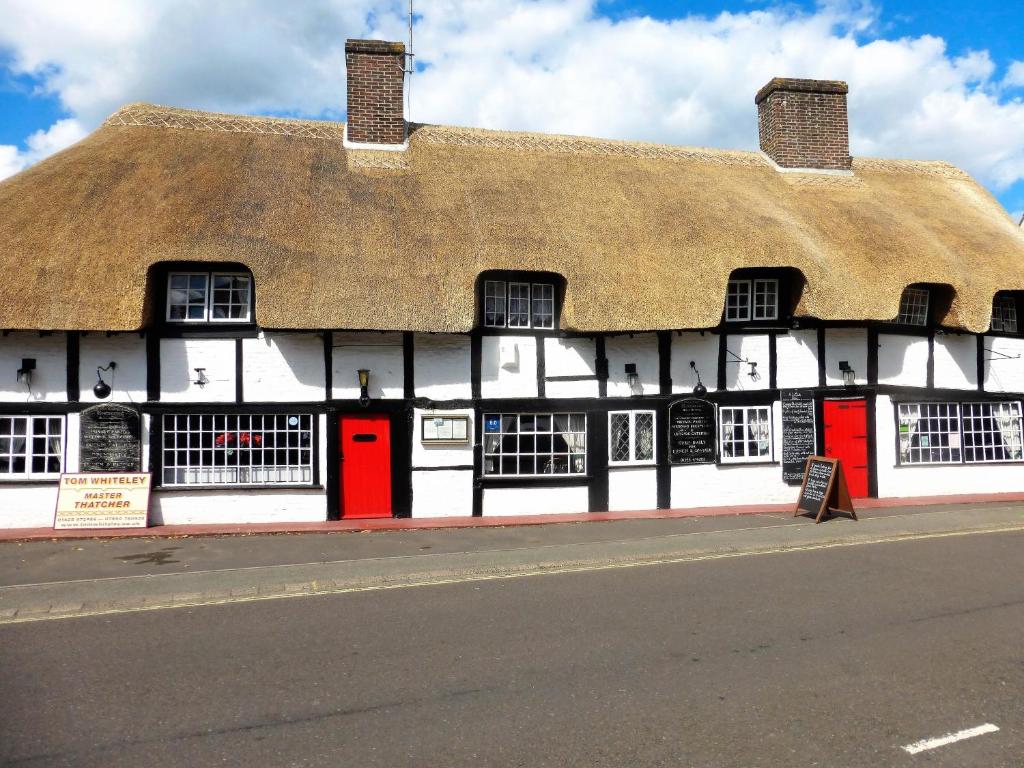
{"x":494,"y":303}
{"x":543,"y":305}
{"x":766,"y":299}
{"x":31,"y":447}
{"x":230,"y":300}
{"x":929,"y":433}
{"x":1004,"y":314}
{"x":914,"y":307}
{"x":513,"y":447}
{"x":644,"y":437}
{"x":518,"y":305}
{"x":619,"y":430}
{"x":737,"y":300}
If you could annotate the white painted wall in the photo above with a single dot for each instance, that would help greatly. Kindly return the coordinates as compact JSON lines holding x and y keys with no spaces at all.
{"x":426,"y":455}
{"x":1004,"y":374}
{"x":27,"y":505}
{"x":707,"y":485}
{"x":535,"y":501}
{"x":956,"y":361}
{"x":180,"y":357}
{"x":508,"y":366}
{"x":797,"y":359}
{"x":380,"y":353}
{"x":232,"y":505}
{"x":702,"y":349}
{"x":851,"y":345}
{"x":642,"y":349}
{"x":751,"y":347}
{"x":441,"y":366}
{"x":902,"y":360}
{"x":632,"y":488}
{"x":442,"y":493}
{"x":72,"y":440}
{"x":283,"y":367}
{"x":937,"y":480}
{"x":570,"y":357}
{"x":49,"y":379}
{"x":127,"y":381}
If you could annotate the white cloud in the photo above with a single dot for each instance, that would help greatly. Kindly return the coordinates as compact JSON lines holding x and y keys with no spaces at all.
{"x":544,"y":65}
{"x":40,"y":144}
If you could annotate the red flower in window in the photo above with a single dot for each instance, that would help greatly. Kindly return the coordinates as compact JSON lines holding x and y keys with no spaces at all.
{"x":224,"y":438}
{"x":245,"y":438}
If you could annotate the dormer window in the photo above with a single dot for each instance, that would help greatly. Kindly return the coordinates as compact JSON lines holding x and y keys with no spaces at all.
{"x":1004,"y":313}
{"x":752,"y":300}
{"x":514,"y":304}
{"x":209,"y":297}
{"x":914,"y":307}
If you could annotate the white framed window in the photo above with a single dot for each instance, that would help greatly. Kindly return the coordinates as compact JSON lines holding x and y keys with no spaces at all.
{"x":519,"y":304}
{"x":766,"y":299}
{"x":494,"y":303}
{"x":913,"y":307}
{"x":535,"y":444}
{"x":747,"y":300}
{"x":746,"y":433}
{"x":1004,"y":314}
{"x":237,"y":449}
{"x":31,"y":447}
{"x":929,"y":433}
{"x":992,"y":432}
{"x":209,"y":297}
{"x":630,"y":437}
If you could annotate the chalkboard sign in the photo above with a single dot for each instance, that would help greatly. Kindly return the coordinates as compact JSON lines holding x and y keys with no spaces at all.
{"x":823,"y":489}
{"x":799,"y":438}
{"x":691,"y":432}
{"x":111,"y":439}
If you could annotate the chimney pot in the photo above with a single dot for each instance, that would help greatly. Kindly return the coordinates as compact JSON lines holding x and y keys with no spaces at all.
{"x":803,"y":123}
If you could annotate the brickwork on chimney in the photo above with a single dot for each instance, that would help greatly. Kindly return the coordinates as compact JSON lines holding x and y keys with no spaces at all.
{"x":803,"y":123}
{"x":376,"y":79}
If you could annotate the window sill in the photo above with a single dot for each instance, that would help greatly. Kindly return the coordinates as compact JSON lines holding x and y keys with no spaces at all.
{"x":766,"y":462}
{"x":29,"y":480}
{"x":631,"y":464}
{"x":536,"y":481}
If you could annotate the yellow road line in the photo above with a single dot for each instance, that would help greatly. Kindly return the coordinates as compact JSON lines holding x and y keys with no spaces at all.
{"x":554,"y":570}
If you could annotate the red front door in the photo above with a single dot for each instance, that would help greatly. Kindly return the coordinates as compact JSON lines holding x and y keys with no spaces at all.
{"x":846,"y":439}
{"x":364,"y":445}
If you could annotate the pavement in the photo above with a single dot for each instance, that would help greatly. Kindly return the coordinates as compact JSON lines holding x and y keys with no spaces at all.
{"x":748,"y":642}
{"x":56,"y":579}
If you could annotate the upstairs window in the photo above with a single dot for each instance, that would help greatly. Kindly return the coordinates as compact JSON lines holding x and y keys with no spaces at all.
{"x":209,"y":297}
{"x":747,"y":300}
{"x":1004,"y":314}
{"x":513,"y":304}
{"x":913,"y":307}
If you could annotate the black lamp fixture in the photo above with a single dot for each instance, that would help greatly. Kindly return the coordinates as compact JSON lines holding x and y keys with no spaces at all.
{"x":102,"y":389}
{"x":700,"y":390}
{"x":364,"y":385}
{"x":632,"y":377}
{"x":28,"y":364}
{"x":849,"y":375}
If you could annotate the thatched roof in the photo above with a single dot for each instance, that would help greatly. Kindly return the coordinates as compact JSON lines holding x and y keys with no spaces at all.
{"x":645,"y":235}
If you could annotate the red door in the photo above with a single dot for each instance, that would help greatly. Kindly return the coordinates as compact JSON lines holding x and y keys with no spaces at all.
{"x":846,"y":439}
{"x":364,"y":445}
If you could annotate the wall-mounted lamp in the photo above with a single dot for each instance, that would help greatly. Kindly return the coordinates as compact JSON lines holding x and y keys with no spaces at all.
{"x":28,"y":364}
{"x":201,"y":379}
{"x":632,"y":378}
{"x":849,"y":375}
{"x":700,"y":390}
{"x":364,"y":385}
{"x":102,"y":389}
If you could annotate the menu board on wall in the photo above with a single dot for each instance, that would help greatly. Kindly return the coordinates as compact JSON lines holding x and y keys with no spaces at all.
{"x":799,"y":434}
{"x":691,"y":432}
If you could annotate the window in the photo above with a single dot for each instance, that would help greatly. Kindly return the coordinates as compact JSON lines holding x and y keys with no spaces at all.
{"x":631,"y":437}
{"x":992,"y":432}
{"x":519,"y":304}
{"x":752,"y":300}
{"x":209,"y":297}
{"x":913,"y":307}
{"x":929,"y":433}
{"x":237,"y":449}
{"x":1004,"y":314}
{"x":535,"y":444}
{"x":31,"y":447}
{"x":746,"y":433}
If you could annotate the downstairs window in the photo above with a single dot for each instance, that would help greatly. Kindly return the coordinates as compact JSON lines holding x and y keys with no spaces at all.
{"x":528,"y":444}
{"x":31,"y":447}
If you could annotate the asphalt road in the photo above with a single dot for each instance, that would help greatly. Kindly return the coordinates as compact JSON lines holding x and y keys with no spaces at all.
{"x":833,"y":657}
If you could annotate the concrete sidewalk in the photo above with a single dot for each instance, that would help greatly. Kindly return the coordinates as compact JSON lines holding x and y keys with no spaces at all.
{"x":317,"y":564}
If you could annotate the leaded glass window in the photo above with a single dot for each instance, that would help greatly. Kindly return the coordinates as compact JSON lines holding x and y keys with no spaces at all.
{"x":1004,"y":314}
{"x":913,"y":307}
{"x":630,"y":437}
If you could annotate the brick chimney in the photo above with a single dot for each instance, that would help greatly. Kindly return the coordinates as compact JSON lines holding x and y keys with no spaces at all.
{"x":376,"y":78}
{"x":803,"y":123}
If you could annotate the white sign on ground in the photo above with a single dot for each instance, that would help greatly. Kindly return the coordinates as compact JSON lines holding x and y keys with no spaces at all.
{"x":103,"y":500}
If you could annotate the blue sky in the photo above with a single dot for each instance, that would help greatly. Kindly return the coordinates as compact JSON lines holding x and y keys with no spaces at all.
{"x":941,"y":80}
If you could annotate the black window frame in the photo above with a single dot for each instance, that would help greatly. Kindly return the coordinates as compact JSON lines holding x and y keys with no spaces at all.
{"x":159,"y":287}
{"x":533,"y":280}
